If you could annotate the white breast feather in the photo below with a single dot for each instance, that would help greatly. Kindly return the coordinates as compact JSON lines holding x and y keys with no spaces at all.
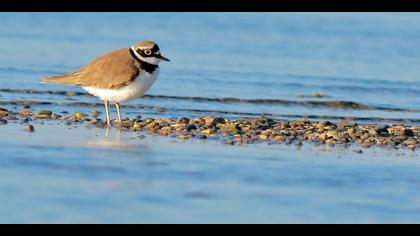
{"x":137,"y":89}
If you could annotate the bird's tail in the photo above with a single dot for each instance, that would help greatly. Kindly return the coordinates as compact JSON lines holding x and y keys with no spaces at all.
{"x":69,"y":79}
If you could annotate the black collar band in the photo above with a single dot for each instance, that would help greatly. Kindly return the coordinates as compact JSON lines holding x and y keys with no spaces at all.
{"x":145,"y":65}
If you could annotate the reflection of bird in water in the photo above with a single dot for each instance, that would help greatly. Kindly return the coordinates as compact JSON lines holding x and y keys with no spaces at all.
{"x":107,"y":142}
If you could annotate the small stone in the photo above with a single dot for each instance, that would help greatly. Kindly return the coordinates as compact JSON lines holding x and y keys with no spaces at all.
{"x":183,"y":120}
{"x":3,"y":121}
{"x":219,"y":120}
{"x":4,"y":112}
{"x":124,"y":124}
{"x":401,"y":131}
{"x":44,"y":114}
{"x":344,"y":124}
{"x":11,"y":117}
{"x":209,"y":121}
{"x":212,"y":136}
{"x":190,"y":127}
{"x":263,"y":137}
{"x":373,"y":132}
{"x":330,"y":141}
{"x":410,"y":141}
{"x":149,"y":120}
{"x":230,"y":128}
{"x":168,"y":120}
{"x":26,"y":119}
{"x":29,"y":129}
{"x":381,"y":129}
{"x":366,"y":145}
{"x":279,"y":139}
{"x":183,"y":137}
{"x":25,"y":112}
{"x":360,"y":151}
{"x":79,"y":116}
{"x":94,"y":121}
{"x":165,"y":131}
{"x":95,"y":113}
{"x":207,"y":132}
{"x":330,"y":128}
{"x":229,"y":142}
{"x":332,"y":134}
{"x":137,"y":126}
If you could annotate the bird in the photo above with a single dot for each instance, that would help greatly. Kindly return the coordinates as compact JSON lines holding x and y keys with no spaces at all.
{"x":116,"y":77}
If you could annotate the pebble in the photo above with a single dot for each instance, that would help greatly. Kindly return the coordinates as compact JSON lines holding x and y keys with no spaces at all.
{"x":229,"y":142}
{"x":183,"y":137}
{"x":165,"y":131}
{"x":183,"y":120}
{"x":344,"y":124}
{"x":207,"y":132}
{"x":190,"y":127}
{"x":79,"y":116}
{"x":332,"y":134}
{"x":230,"y":128}
{"x":137,"y":126}
{"x":3,"y":112}
{"x":95,"y":113}
{"x":279,"y":139}
{"x":44,"y":114}
{"x":411,"y":147}
{"x":29,"y":129}
{"x":3,"y":121}
{"x":25,"y":112}
{"x":26,"y":119}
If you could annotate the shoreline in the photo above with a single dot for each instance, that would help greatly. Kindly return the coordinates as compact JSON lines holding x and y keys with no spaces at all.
{"x":241,"y":131}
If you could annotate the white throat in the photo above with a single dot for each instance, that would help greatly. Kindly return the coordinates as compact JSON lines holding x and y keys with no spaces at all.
{"x":150,"y":60}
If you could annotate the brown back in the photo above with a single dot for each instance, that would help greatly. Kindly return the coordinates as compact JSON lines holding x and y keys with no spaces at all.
{"x":113,"y":70}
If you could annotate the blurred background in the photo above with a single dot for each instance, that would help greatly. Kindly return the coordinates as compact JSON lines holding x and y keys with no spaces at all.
{"x":287,"y":65}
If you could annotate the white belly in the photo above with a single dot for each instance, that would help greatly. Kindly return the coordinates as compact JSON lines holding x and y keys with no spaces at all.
{"x":138,"y":88}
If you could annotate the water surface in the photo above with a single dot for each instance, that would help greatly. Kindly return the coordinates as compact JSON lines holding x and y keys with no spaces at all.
{"x":236,"y":65}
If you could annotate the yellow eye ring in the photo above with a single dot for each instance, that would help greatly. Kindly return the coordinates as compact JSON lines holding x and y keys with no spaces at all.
{"x":147,"y":52}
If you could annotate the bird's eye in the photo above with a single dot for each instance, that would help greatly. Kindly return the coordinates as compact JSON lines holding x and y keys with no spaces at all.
{"x":147,"y":52}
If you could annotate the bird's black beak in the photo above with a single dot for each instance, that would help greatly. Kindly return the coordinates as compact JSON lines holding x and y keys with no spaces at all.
{"x":163,"y":58}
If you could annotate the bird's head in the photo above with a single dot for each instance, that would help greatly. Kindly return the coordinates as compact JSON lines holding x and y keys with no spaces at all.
{"x":149,"y":52}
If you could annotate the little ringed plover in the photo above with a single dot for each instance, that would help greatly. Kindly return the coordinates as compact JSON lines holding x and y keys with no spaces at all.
{"x":119,"y":76}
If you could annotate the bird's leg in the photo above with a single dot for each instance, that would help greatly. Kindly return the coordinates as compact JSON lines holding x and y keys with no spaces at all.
{"x":117,"y":105}
{"x":108,"y":120}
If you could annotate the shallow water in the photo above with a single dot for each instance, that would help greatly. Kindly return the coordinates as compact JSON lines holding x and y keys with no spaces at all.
{"x":233,"y":65}
{"x":118,"y":178}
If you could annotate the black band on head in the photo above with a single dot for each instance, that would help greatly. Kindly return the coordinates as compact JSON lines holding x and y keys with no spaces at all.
{"x":145,"y":65}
